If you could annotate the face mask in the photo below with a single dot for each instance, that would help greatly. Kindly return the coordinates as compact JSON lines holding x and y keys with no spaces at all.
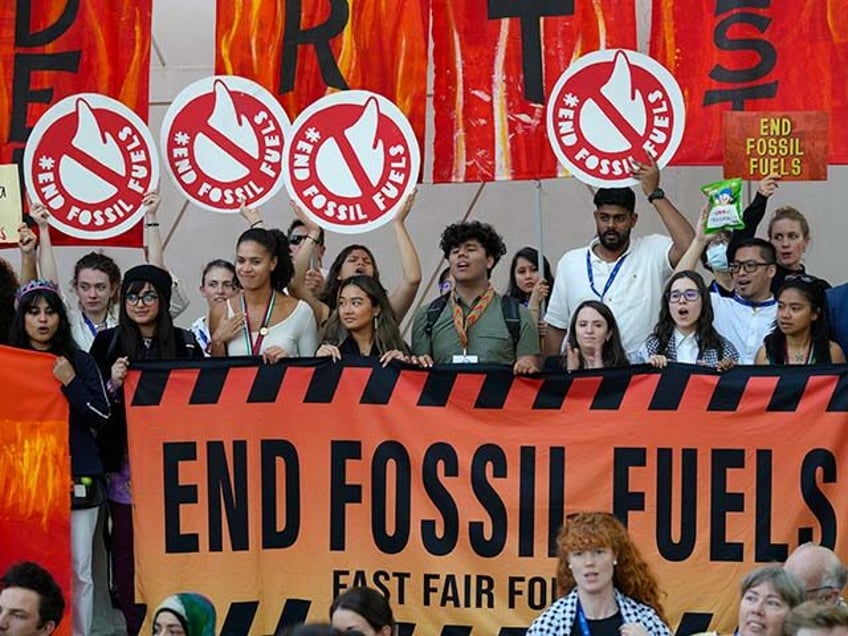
{"x":717,"y":257}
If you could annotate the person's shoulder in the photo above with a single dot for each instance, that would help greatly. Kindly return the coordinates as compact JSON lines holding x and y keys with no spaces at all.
{"x":650,"y":241}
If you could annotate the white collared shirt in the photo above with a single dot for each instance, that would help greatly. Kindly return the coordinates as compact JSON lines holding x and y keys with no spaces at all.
{"x":686,"y":347}
{"x":744,"y":323}
{"x":635,"y":295}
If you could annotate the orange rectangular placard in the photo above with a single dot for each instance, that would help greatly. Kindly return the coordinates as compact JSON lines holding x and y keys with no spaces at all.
{"x":793,"y":145}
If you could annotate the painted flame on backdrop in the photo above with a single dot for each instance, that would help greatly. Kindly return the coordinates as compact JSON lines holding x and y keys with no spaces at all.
{"x":34,"y":470}
{"x":484,"y":127}
{"x":113,"y":38}
{"x":383,"y":48}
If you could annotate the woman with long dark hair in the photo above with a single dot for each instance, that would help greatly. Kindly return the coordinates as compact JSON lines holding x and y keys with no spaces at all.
{"x":684,"y":331}
{"x":356,"y":260}
{"x":802,"y":332}
{"x":263,"y":319}
{"x":41,"y":324}
{"x":363,"y":324}
{"x":145,"y":332}
{"x":593,"y":341}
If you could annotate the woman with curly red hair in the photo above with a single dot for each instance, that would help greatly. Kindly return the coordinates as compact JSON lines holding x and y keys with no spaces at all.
{"x":606,"y":588}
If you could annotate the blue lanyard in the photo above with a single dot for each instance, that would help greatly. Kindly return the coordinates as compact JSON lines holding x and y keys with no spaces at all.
{"x":204,"y":339}
{"x":610,"y":279}
{"x":90,"y":325}
{"x":581,"y":620}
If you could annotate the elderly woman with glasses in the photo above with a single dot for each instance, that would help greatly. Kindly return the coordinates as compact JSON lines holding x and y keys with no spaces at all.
{"x":684,"y":331}
{"x":144,"y":332}
{"x":802,"y":332}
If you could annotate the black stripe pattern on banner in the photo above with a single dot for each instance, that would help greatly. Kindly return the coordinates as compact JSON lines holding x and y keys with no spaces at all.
{"x":670,"y":389}
{"x":728,"y":392}
{"x":325,"y":381}
{"x":437,"y":388}
{"x":839,"y":399}
{"x":552,"y":393}
{"x":788,"y":393}
{"x":239,"y":618}
{"x":494,"y":391}
{"x":381,"y":385}
{"x":294,"y":612}
{"x":611,"y":391}
{"x":209,"y":385}
{"x":151,"y":387}
{"x":266,"y":383}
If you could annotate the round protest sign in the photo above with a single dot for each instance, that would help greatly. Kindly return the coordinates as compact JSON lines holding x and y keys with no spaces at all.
{"x":612,"y":107}
{"x":90,"y":160}
{"x":222,"y":140}
{"x":351,"y":160}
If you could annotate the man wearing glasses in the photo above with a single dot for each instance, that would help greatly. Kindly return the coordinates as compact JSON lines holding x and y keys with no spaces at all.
{"x":820,"y":570}
{"x":747,"y":317}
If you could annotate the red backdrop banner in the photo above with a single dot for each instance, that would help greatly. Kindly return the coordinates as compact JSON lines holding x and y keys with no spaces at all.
{"x":50,"y":50}
{"x":301,"y":51}
{"x":495,"y":63}
{"x":786,"y":56}
{"x":35,"y":468}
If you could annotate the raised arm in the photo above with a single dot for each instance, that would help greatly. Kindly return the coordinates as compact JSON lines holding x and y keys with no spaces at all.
{"x":297,"y":285}
{"x":692,"y":255}
{"x":46,"y":257}
{"x":402,"y":297}
{"x":152,"y":237}
{"x":26,"y":244}
{"x":755,"y":212}
{"x":679,"y":229}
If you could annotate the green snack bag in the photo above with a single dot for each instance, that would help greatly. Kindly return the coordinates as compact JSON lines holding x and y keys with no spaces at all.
{"x":725,"y":198}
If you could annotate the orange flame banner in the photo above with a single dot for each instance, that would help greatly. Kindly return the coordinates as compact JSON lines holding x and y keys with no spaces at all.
{"x":495,"y":63}
{"x":49,"y":50}
{"x":301,"y":50}
{"x":35,"y":468}
{"x":788,"y":56}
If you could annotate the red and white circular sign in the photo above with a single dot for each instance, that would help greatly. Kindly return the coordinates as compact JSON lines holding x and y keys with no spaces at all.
{"x":222,"y":139}
{"x":90,"y":160}
{"x":351,"y":160}
{"x":611,"y":107}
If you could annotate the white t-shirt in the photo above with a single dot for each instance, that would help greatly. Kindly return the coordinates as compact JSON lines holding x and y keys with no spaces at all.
{"x":634,"y":295}
{"x":744,"y":323}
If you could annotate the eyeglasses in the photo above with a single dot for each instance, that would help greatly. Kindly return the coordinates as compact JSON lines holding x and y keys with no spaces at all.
{"x":147,"y":298}
{"x":297,"y":239}
{"x":816,"y":592}
{"x":691,"y":295}
{"x":748,"y":267}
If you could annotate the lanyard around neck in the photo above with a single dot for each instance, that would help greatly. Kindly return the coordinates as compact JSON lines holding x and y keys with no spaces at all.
{"x":610,"y":278}
{"x":254,"y":346}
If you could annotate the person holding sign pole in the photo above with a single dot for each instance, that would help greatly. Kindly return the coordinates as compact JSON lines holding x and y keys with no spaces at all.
{"x":358,"y":259}
{"x":625,"y":274}
{"x":607,"y":587}
{"x":263,"y":320}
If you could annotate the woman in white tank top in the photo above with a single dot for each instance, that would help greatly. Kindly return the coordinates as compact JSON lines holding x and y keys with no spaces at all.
{"x":263,"y":319}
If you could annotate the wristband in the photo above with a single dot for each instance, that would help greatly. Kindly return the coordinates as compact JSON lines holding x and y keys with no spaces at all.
{"x":151,"y":225}
{"x":255,"y":223}
{"x":657,"y":194}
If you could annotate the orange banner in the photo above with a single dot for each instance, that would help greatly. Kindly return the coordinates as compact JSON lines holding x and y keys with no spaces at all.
{"x":35,"y":468}
{"x":746,"y":56}
{"x":495,"y":63}
{"x":792,"y":145}
{"x":50,"y":50}
{"x":445,"y":489}
{"x":302,"y":50}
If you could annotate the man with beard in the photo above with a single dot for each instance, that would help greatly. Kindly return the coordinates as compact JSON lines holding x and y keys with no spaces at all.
{"x":627,"y":275}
